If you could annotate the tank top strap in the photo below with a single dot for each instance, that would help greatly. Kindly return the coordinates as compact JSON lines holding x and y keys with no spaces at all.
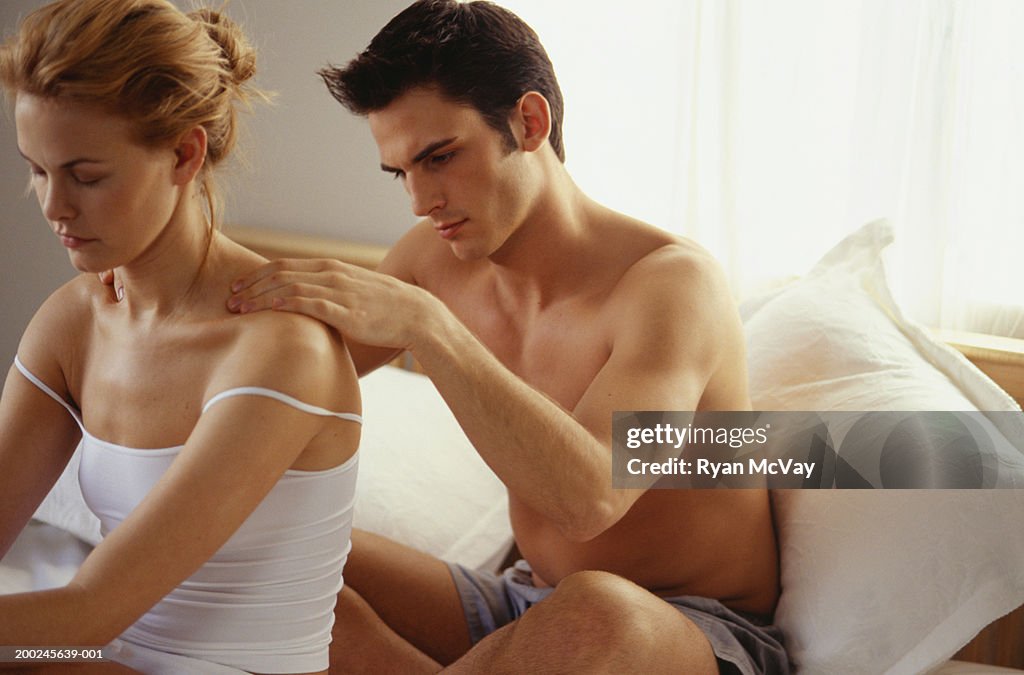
{"x":283,"y":398}
{"x":49,"y":392}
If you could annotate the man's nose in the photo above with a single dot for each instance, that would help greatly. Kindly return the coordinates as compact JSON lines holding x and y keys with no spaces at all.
{"x":425,"y":193}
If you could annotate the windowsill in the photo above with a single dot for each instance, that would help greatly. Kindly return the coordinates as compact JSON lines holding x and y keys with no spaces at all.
{"x":1001,"y":358}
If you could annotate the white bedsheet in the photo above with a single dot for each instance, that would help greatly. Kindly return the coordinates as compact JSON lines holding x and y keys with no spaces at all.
{"x":43,"y":556}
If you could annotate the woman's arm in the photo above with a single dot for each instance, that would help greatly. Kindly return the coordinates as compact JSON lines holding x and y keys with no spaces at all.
{"x":37,"y":435}
{"x":236,"y":453}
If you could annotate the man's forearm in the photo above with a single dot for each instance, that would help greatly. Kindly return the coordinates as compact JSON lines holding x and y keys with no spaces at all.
{"x":542,"y":454}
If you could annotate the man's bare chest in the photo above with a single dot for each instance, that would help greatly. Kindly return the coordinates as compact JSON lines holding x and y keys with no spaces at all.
{"x":558,"y":350}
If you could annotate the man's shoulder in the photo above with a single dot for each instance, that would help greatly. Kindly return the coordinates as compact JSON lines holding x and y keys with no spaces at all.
{"x":418,"y":252}
{"x":676,"y":268}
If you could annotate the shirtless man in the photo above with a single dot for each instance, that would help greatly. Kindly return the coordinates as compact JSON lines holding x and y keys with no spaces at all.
{"x":536,"y":312}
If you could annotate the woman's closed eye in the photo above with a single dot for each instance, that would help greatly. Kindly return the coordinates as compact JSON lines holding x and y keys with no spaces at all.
{"x":86,"y":181}
{"x":35,"y":173}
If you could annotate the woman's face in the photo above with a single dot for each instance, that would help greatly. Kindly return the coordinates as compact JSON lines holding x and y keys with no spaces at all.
{"x":105,"y":196}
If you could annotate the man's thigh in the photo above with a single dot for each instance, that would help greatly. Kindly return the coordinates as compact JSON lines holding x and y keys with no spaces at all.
{"x":412,"y":592}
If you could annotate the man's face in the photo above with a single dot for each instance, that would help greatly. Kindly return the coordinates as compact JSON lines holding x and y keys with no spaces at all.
{"x":456,"y":169}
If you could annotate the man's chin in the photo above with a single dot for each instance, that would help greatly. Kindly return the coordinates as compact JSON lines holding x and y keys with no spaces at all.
{"x":464,"y":252}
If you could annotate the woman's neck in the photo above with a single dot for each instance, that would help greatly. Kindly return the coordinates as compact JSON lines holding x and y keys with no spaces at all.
{"x":170,"y":273}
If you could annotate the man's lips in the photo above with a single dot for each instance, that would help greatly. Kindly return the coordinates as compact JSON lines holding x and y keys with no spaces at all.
{"x":448,"y":230}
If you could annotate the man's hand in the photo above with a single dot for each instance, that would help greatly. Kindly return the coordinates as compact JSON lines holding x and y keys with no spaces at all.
{"x":369,"y":307}
{"x":107,"y":278}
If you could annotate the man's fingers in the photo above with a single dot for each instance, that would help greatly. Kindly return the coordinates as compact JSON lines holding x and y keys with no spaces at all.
{"x":323,"y":286}
{"x":261,"y":291}
{"x":328,"y":312}
{"x":107,"y":278}
{"x":248,"y":280}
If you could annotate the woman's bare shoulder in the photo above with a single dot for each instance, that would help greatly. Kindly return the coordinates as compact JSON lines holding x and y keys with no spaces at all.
{"x":58,"y":334}
{"x":68,"y":310}
{"x":288,"y":352}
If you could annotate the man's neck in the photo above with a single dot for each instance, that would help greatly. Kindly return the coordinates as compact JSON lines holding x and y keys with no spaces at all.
{"x":543,"y":256}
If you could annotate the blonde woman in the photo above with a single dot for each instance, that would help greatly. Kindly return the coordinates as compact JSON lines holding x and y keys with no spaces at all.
{"x":212,"y":454}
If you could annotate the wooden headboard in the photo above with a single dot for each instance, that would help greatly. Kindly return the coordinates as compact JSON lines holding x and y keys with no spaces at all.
{"x":1002,"y":359}
{"x":280,"y":244}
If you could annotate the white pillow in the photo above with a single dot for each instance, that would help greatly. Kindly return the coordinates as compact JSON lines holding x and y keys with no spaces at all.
{"x":420,"y":480}
{"x":878,"y":581}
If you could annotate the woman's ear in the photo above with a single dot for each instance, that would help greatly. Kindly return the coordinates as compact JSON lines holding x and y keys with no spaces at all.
{"x":531,"y":120}
{"x":190,"y":155}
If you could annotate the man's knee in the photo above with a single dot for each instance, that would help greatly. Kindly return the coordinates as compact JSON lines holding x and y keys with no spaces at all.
{"x":616,"y":616}
{"x":603,"y":606}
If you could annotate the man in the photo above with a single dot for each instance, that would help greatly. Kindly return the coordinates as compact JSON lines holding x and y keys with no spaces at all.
{"x":537,"y":313}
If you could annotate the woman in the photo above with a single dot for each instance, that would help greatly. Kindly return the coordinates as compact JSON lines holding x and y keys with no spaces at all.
{"x":221,"y":477}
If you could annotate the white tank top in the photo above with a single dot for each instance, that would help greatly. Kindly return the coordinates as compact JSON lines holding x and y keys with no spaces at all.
{"x":265,"y":601}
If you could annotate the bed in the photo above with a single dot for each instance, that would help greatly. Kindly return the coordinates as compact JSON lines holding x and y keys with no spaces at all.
{"x":888,"y":581}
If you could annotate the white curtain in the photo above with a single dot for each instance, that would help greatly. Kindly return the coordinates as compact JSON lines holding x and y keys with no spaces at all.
{"x":769,"y":130}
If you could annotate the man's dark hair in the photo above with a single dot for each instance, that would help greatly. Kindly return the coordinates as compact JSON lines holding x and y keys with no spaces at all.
{"x":475,"y":53}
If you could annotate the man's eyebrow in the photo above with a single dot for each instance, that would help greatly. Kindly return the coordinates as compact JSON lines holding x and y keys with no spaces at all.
{"x":421,"y":155}
{"x":66,"y":165}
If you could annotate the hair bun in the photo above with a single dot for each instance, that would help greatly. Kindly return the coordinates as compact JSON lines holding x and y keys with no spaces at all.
{"x":235,"y":47}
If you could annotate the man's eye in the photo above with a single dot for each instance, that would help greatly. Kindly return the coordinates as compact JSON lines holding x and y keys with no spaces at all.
{"x":443,"y":158}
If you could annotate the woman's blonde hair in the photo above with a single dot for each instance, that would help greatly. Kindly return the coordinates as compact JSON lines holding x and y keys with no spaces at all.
{"x":143,"y":60}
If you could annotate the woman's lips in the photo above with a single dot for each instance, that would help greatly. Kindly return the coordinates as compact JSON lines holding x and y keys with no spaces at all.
{"x":70,"y":241}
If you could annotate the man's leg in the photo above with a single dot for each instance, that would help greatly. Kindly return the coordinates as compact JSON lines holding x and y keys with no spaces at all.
{"x":594,"y":622}
{"x":400,"y":606}
{"x":363,"y":643}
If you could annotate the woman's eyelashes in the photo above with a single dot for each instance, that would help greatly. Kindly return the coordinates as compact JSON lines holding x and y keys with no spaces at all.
{"x":35,"y":173}
{"x":86,"y":181}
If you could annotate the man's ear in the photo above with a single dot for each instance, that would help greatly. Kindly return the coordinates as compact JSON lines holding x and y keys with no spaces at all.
{"x":190,"y":155}
{"x":531,"y":120}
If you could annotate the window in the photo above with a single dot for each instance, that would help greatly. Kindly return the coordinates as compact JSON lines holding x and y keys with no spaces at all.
{"x":767,"y":131}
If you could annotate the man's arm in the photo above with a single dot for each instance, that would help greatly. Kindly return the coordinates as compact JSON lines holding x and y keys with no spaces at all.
{"x":674,"y":315}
